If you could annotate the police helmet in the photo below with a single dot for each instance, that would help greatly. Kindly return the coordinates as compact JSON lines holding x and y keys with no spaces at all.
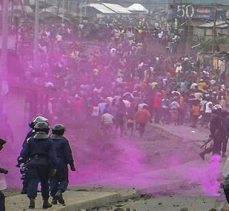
{"x":41,"y":127}
{"x":38,"y":119}
{"x":216,"y":109}
{"x":58,"y":129}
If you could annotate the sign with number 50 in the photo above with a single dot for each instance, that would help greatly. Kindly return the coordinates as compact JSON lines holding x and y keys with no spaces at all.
{"x":185,"y":11}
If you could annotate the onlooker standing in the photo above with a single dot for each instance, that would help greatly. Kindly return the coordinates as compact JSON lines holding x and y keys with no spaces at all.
{"x":157,"y":107}
{"x":165,"y":115}
{"x":207,"y":113}
{"x":142,"y":117}
{"x":107,"y":123}
{"x":174,"y":109}
{"x":120,"y":116}
{"x":195,"y":113}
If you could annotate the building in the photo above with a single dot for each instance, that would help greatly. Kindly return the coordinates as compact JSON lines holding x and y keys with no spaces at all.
{"x":200,"y":2}
{"x":206,"y":30}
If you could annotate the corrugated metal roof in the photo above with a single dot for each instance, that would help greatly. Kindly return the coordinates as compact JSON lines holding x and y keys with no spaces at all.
{"x":219,"y":24}
{"x":101,"y":8}
{"x":117,"y":8}
{"x":137,"y":7}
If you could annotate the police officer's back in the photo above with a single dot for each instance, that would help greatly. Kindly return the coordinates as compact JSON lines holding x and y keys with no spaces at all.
{"x":225,"y":121}
{"x":217,"y":130}
{"x":30,"y":134}
{"x":59,"y":183}
{"x":41,"y":155}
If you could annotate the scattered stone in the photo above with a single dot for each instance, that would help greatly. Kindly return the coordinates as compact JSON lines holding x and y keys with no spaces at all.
{"x":184,"y":209}
{"x":159,"y":203}
{"x":119,"y":209}
{"x":119,"y":205}
{"x":213,"y":209}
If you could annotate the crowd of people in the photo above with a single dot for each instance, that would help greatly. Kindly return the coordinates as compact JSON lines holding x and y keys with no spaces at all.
{"x":117,"y":73}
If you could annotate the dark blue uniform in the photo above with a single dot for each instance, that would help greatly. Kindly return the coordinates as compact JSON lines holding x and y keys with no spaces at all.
{"x":217,"y":132}
{"x":42,"y":157}
{"x":30,"y":134}
{"x":64,"y":157}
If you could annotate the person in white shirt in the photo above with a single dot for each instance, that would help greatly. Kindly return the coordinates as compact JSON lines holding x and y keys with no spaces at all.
{"x":208,"y":108}
{"x":107,"y":122}
{"x":207,"y":112}
{"x":107,"y":119}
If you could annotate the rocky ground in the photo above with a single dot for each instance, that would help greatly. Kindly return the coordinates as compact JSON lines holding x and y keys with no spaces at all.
{"x":164,"y":166}
{"x":169,"y":203}
{"x":172,"y":152}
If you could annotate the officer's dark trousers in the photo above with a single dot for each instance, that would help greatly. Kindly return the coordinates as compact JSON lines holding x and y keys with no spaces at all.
{"x":217,"y":142}
{"x":224,"y":145}
{"x":2,"y":201}
{"x":36,"y":174}
{"x":226,"y":191}
{"x":59,"y":181}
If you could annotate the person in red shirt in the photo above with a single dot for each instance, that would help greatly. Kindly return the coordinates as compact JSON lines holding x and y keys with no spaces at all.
{"x":195,"y":113}
{"x":142,"y":116}
{"x":157,"y":107}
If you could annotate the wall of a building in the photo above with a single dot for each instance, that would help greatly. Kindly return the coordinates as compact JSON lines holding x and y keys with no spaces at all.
{"x":200,"y":2}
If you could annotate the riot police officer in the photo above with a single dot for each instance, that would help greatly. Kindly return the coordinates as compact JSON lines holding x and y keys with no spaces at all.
{"x":40,"y":153}
{"x":59,"y":183}
{"x":2,"y":171}
{"x":30,"y":134}
{"x":217,"y":133}
{"x":217,"y":129}
{"x":225,"y":117}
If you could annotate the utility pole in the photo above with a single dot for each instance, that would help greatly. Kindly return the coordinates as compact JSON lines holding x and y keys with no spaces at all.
{"x":36,"y":34}
{"x":214,"y":31}
{"x":85,"y":7}
{"x":4,"y":51}
{"x":68,"y":7}
{"x":214,"y":36}
{"x":4,"y":47}
{"x":63,"y":13}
